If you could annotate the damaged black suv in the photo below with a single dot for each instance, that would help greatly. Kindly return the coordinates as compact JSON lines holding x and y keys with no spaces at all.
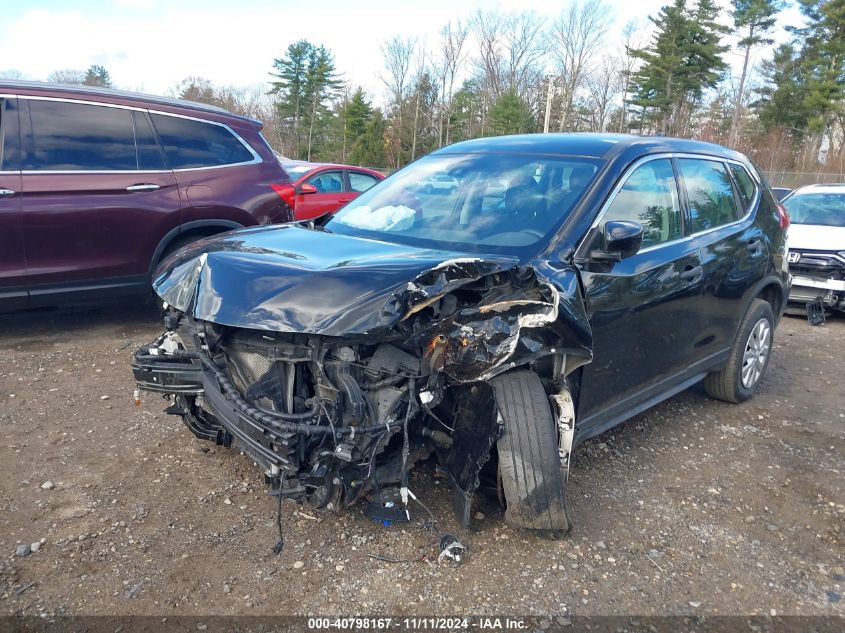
{"x":566,"y":283}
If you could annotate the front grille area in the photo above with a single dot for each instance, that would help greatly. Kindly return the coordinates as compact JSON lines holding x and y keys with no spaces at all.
{"x":818,"y":264}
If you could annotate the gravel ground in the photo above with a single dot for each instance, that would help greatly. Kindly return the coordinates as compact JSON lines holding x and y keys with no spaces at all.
{"x":694,"y":507}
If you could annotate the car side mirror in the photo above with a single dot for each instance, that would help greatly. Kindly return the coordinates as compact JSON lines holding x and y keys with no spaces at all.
{"x":621,"y":239}
{"x":306,"y":188}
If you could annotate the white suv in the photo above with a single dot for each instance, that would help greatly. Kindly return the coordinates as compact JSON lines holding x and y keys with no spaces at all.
{"x":817,"y":245}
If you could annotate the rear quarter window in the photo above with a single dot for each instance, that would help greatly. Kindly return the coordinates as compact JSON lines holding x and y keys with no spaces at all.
{"x":192,"y":144}
{"x":745,"y":185}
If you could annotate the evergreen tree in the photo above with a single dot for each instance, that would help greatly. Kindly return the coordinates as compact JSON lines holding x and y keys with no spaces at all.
{"x":822,"y":60}
{"x":783,"y":93}
{"x":683,"y":60}
{"x":368,"y":149}
{"x":306,"y":79}
{"x":753,"y":21}
{"x":509,"y":115}
{"x":97,"y":76}
{"x":350,"y":123}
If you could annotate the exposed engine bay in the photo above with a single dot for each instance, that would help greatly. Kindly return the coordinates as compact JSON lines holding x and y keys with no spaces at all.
{"x":335,"y":405}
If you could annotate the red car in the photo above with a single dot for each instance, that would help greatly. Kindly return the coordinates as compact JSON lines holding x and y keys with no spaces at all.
{"x":320,"y":188}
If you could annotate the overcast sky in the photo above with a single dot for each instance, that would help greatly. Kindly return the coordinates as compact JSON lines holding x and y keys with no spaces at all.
{"x":150,"y":45}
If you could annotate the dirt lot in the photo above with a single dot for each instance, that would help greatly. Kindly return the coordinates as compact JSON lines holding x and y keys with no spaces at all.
{"x":692,"y":507}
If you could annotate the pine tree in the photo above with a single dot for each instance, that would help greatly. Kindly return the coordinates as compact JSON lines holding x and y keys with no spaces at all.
{"x":783,"y":93}
{"x":368,"y":149}
{"x":683,"y":60}
{"x":97,"y":76}
{"x":753,"y":21}
{"x":306,"y":79}
{"x":290,"y":87}
{"x":822,"y":60}
{"x":508,"y":115}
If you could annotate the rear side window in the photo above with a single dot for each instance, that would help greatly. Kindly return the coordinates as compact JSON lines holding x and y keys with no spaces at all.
{"x":650,"y":197}
{"x":191,"y":144}
{"x":744,"y":184}
{"x":359,"y":181}
{"x":327,"y":182}
{"x":80,"y":137}
{"x":709,"y":192}
{"x":9,"y":135}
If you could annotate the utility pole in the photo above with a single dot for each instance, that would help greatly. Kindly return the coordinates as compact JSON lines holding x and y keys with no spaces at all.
{"x":548,"y":108}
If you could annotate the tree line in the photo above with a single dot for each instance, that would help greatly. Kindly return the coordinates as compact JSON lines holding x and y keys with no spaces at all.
{"x":516,"y":72}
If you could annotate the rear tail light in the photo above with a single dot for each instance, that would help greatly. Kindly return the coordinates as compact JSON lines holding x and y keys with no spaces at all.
{"x":285,"y":192}
{"x":783,"y":217}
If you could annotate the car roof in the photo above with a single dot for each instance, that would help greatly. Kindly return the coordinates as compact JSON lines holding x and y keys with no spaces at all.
{"x":304,"y":166}
{"x":43,"y":88}
{"x":585,"y":144}
{"x":820,"y":188}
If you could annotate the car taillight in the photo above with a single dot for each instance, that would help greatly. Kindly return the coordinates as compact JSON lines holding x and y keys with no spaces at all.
{"x":783,"y":217}
{"x":285,"y":191}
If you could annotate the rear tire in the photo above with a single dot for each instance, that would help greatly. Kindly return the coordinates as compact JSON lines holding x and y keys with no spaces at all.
{"x":749,"y":358}
{"x":529,"y":462}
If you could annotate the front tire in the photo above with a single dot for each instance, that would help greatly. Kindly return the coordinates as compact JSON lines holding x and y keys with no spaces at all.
{"x":529,"y":463}
{"x":749,"y":357}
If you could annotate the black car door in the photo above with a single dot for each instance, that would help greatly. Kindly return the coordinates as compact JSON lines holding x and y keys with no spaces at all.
{"x":644,"y":309}
{"x":12,"y":256}
{"x":733,"y":248}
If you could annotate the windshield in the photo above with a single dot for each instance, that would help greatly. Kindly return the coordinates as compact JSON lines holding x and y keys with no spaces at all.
{"x":823,"y":209}
{"x":470,"y":202}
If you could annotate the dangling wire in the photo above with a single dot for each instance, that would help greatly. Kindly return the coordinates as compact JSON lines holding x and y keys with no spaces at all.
{"x":280,"y":544}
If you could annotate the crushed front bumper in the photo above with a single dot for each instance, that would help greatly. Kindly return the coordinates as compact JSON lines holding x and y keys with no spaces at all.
{"x":805,"y":289}
{"x":210,"y":415}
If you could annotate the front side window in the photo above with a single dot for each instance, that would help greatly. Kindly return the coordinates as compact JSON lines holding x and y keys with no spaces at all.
{"x":709,"y":192}
{"x":192,"y":144}
{"x":327,"y":182}
{"x":470,"y":202}
{"x":80,"y":137}
{"x":649,"y":197}
{"x":360,"y":182}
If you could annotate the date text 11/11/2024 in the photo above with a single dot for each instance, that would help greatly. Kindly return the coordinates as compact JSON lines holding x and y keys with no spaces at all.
{"x":423,"y":623}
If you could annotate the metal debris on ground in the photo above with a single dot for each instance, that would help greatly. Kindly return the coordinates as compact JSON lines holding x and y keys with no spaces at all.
{"x":451,"y":548}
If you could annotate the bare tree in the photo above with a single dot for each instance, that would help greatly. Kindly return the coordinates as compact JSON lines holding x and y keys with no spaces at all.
{"x":631,"y":40}
{"x":420,"y":71}
{"x":577,"y":35}
{"x":67,"y":76}
{"x":11,"y":73}
{"x":604,"y":85}
{"x":511,"y":49}
{"x":397,"y":63}
{"x":453,"y":56}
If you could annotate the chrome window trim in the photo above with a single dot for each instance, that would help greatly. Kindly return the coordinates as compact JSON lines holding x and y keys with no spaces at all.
{"x":255,"y":157}
{"x":663,"y":156}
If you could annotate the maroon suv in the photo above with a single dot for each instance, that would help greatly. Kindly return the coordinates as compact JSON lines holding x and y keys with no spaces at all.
{"x":98,"y":186}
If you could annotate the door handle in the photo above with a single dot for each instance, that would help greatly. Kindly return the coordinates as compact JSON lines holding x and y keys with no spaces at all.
{"x":142,"y":187}
{"x":6,"y":193}
{"x":754,"y":245}
{"x":691,"y":273}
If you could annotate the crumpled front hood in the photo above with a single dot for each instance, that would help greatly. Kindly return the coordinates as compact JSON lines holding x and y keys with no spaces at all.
{"x":293,"y":279}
